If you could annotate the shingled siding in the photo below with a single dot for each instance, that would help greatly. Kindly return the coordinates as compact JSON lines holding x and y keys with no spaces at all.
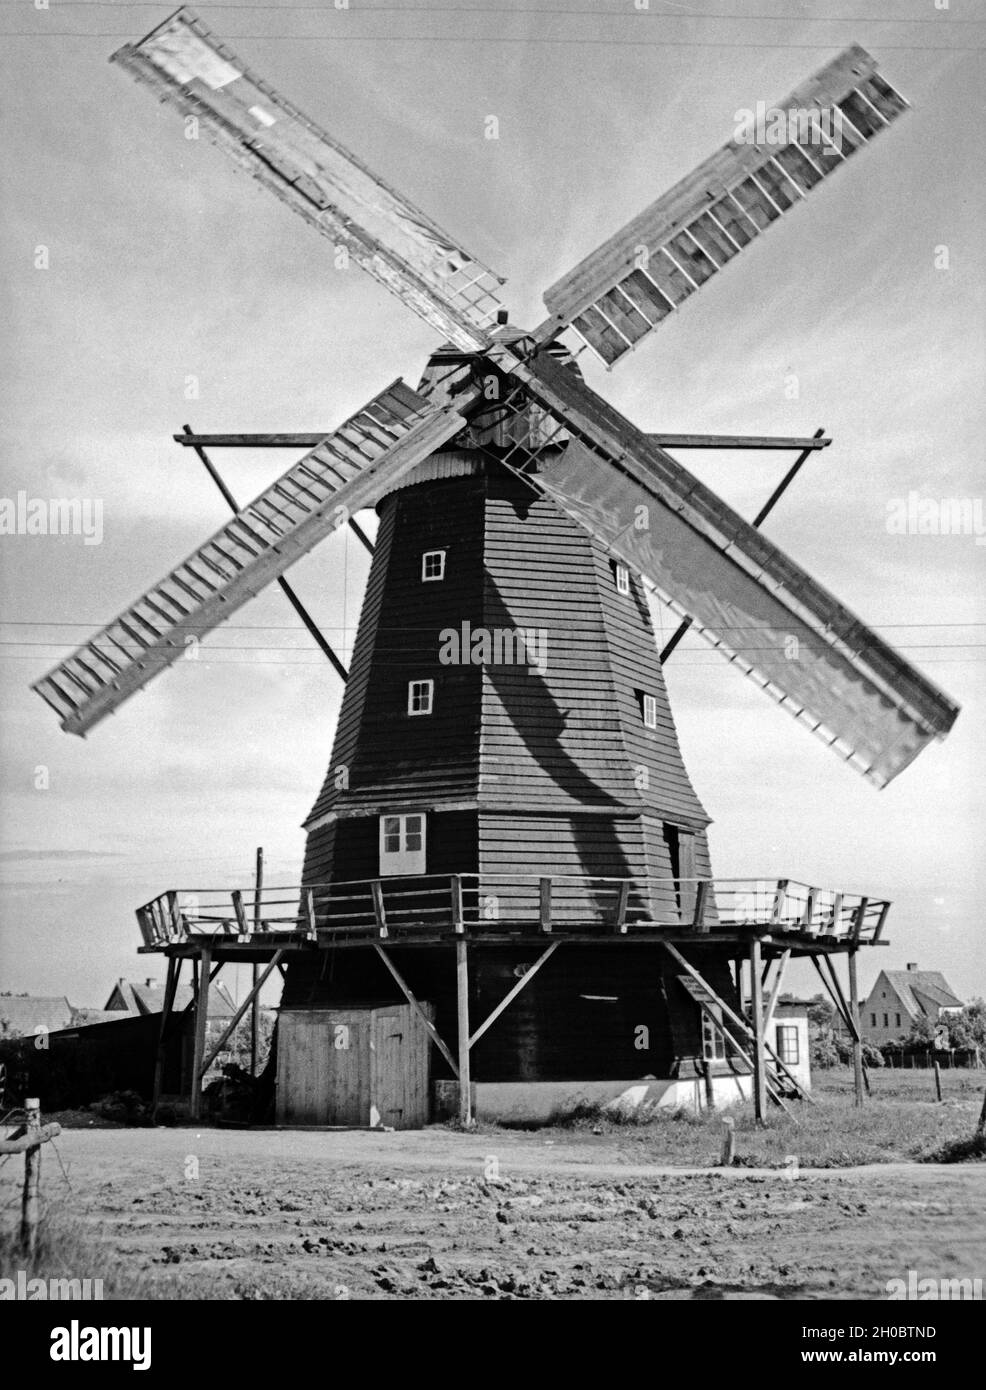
{"x":385,"y":751}
{"x":571,"y":735}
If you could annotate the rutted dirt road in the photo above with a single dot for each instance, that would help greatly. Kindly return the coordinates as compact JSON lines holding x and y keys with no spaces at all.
{"x":437,"y":1214}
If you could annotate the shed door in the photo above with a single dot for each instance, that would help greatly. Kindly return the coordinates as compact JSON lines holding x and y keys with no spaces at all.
{"x":391,"y":1059}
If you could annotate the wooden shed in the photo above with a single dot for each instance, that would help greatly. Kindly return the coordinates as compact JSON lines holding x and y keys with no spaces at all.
{"x":360,"y":1064}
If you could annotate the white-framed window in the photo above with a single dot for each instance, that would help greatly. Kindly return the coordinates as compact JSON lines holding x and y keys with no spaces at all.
{"x":787,"y":1044}
{"x":622,"y":579}
{"x":420,"y":697}
{"x":432,"y":565}
{"x":402,"y":844}
{"x":650,"y":712}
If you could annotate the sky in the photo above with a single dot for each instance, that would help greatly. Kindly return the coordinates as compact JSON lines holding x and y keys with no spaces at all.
{"x":173,"y":290}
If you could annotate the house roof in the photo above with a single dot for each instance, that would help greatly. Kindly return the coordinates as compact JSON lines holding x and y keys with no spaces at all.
{"x":144,"y":998}
{"x":25,"y":1012}
{"x":915,"y":986}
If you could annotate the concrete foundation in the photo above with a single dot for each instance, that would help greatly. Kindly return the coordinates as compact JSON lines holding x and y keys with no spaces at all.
{"x":536,"y":1102}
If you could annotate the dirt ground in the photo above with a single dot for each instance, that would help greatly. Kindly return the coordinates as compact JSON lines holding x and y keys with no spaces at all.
{"x":439,"y":1214}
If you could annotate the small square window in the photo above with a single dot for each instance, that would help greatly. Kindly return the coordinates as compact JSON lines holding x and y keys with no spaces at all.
{"x":402,"y":845}
{"x":650,"y":712}
{"x":432,"y":565}
{"x":419,"y":697}
{"x":622,"y":579}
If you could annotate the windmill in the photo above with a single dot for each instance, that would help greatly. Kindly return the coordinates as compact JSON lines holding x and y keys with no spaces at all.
{"x":506,"y":766}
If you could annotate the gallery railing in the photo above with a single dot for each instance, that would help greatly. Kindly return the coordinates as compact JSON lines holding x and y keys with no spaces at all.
{"x":442,"y":904}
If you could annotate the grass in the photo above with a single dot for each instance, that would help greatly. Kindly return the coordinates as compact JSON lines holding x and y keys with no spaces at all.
{"x":901,"y":1122}
{"x":69,"y":1248}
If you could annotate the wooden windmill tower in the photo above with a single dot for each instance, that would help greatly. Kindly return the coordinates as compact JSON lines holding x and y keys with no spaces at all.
{"x":506,"y":786}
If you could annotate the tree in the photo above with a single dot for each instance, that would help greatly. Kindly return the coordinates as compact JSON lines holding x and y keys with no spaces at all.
{"x":821,"y":1014}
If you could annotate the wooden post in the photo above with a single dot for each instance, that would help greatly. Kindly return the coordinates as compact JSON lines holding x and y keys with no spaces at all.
{"x":31,"y":1206}
{"x":857,"y":1041}
{"x":455,"y":890}
{"x":728,"y":1142}
{"x":174,"y":969}
{"x":255,"y":969}
{"x":934,"y":1063}
{"x":379,"y":912}
{"x":201,"y":1021}
{"x":710,"y":1095}
{"x":544,"y":904}
{"x":462,"y":1003}
{"x":981,"y":1127}
{"x":759,"y":1062}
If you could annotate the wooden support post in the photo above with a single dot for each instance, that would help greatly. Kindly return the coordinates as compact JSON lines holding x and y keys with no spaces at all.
{"x":170,"y":989}
{"x":878,"y":932}
{"x":780,"y":894}
{"x":254,"y":968}
{"x":728,"y":1143}
{"x":859,"y":918}
{"x":508,"y":998}
{"x":174,"y":914}
{"x":234,"y":1021}
{"x":404,"y":988}
{"x":544,"y":904}
{"x":710,"y":1095}
{"x":240,"y":911}
{"x":807,"y":922}
{"x":857,"y":1042}
{"x":981,"y":1126}
{"x":376,"y":893}
{"x":759,"y":1061}
{"x":31,"y":1206}
{"x":201,"y":1023}
{"x":699,"y":923}
{"x":310,"y":918}
{"x":620,"y":916}
{"x":455,"y":890}
{"x":775,"y":991}
{"x":462,"y":1011}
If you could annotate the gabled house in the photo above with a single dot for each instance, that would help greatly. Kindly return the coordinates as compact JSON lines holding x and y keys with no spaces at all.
{"x":148,"y":998}
{"x":24,"y":1014}
{"x":900,"y":997}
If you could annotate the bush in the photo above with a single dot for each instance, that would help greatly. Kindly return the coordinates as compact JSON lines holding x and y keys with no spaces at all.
{"x":123,"y":1107}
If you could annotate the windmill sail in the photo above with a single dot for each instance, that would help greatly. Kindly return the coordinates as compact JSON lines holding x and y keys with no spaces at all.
{"x":630,"y":284}
{"x":186,"y":65}
{"x":755,"y":605}
{"x":391,"y":434}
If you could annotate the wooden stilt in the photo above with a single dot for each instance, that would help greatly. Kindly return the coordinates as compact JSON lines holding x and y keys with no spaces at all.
{"x":201,"y":1022}
{"x":462,"y":1005}
{"x":759,"y":1060}
{"x":170,"y":990}
{"x":255,"y":969}
{"x":857,"y":1041}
